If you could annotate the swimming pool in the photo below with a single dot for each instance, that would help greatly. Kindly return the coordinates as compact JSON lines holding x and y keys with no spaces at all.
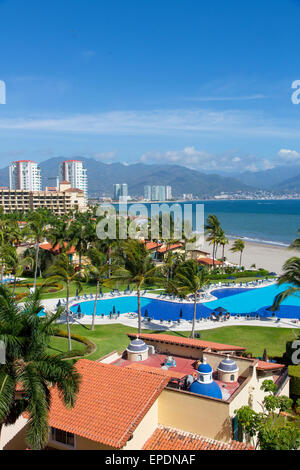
{"x":251,"y":302}
{"x":228,"y":291}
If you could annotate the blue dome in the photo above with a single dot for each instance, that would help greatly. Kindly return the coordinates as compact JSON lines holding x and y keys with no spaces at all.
{"x":209,"y":390}
{"x":205,"y":368}
{"x":228,"y":365}
{"x":137,"y":345}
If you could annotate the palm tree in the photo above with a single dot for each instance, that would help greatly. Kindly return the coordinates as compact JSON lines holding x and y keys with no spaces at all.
{"x":16,"y":265}
{"x":64,"y":270}
{"x":99,"y":270}
{"x":212,"y":228}
{"x":36,"y":230}
{"x":139,"y":269}
{"x":222,"y":240}
{"x":296,"y":243}
{"x":189,"y":279}
{"x":28,"y":364}
{"x":291,"y":275}
{"x":78,"y":238}
{"x":238,"y":247}
{"x":58,"y":234}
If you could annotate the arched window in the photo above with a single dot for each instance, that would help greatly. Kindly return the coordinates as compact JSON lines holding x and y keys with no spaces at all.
{"x":232,"y":378}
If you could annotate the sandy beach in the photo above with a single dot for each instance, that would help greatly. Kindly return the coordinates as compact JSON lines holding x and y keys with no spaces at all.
{"x":271,"y":257}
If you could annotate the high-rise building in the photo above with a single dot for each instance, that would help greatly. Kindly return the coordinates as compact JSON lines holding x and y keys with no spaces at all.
{"x":147,"y":192}
{"x":121,"y":192}
{"x":162,"y":193}
{"x":168,"y":193}
{"x":25,"y":174}
{"x":74,"y":172}
{"x":158,"y":193}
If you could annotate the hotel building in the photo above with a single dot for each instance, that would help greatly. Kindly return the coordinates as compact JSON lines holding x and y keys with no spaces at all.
{"x":58,"y":201}
{"x":164,"y":392}
{"x":74,"y":172}
{"x":25,"y":175}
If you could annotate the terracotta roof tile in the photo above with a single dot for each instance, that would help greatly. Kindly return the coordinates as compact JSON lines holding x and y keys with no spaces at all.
{"x":155,"y":370}
{"x":110,"y":404}
{"x":55,"y":249}
{"x":163,"y":249}
{"x":208,"y":261}
{"x":263,"y":365}
{"x":152,"y":245}
{"x":165,"y":438}
{"x":196,"y":343}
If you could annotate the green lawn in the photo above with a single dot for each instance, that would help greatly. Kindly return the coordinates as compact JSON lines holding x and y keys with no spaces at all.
{"x":59,"y":345}
{"x":110,"y":337}
{"x":87,"y":288}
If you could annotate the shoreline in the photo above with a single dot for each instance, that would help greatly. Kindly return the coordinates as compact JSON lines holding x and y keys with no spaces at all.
{"x":263,"y":255}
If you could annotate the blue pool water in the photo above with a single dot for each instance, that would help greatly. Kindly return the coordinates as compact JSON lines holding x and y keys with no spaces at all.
{"x":227,"y":292}
{"x":242,"y":301}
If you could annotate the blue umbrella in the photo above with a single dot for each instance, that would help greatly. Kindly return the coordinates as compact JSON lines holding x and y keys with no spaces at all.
{"x":220,"y":310}
{"x":58,"y":303}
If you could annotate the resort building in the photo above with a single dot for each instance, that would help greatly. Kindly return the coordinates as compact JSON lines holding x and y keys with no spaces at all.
{"x":163,"y":393}
{"x":25,"y":175}
{"x":74,"y":172}
{"x":58,"y":201}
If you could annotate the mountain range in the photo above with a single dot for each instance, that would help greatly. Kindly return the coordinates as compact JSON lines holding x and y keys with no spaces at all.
{"x":102,"y":176}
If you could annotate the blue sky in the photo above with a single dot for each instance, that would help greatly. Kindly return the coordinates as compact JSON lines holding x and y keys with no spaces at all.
{"x":206,"y":84}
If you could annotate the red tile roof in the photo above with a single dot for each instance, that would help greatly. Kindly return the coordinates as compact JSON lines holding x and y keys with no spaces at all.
{"x":73,"y":190}
{"x":55,"y":249}
{"x":154,"y":370}
{"x":110,"y":404}
{"x":263,"y":365}
{"x":65,"y":182}
{"x":152,"y":245}
{"x":165,"y":438}
{"x":208,"y":261}
{"x":163,"y":249}
{"x":182,"y":341}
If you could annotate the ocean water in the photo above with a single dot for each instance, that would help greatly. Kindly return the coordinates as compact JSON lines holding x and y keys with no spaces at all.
{"x":275,"y":222}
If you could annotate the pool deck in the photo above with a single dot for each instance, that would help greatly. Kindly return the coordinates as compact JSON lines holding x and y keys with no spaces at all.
{"x":185,"y":325}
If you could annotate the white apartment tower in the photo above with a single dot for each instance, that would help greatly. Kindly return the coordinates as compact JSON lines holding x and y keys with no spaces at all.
{"x":25,"y":175}
{"x":73,"y":172}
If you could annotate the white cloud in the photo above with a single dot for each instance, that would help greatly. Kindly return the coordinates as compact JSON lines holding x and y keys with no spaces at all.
{"x":157,"y":122}
{"x":106,"y":157}
{"x":289,"y":155}
{"x":226,"y":98}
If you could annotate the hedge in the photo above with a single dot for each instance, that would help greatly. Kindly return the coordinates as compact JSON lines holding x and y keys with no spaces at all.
{"x":294,"y":373}
{"x":90,"y":346}
{"x":240,"y":274}
{"x":55,"y":287}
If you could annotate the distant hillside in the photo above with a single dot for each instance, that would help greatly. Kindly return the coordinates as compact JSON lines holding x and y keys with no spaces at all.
{"x":268,"y":179}
{"x":102,"y":176}
{"x":291,"y":185}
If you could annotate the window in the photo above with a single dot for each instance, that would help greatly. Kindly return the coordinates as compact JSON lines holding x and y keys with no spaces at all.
{"x":63,"y":437}
{"x":232,"y":378}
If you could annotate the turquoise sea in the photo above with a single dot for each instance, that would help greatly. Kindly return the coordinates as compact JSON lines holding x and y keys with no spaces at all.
{"x":275,"y":221}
